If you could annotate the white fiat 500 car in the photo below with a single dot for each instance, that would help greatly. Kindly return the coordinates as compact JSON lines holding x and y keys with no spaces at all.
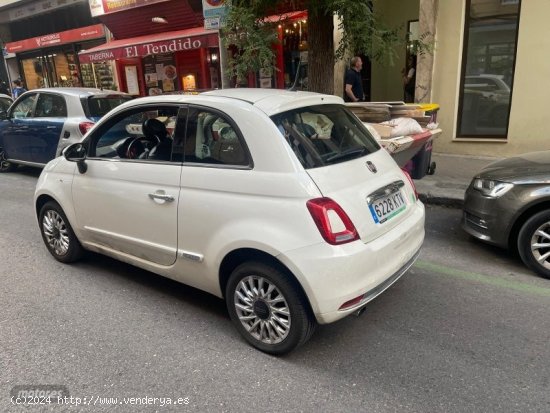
{"x":280,"y":202}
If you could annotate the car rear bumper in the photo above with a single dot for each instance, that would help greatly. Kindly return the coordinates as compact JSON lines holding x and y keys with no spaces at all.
{"x":334,"y":275}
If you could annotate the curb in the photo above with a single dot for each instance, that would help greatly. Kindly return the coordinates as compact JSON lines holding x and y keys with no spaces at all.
{"x":429,"y":199}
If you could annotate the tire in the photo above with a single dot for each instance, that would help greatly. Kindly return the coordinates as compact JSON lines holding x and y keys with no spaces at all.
{"x":533,"y":236}
{"x":277,"y":327}
{"x":58,"y":235}
{"x":5,"y":166}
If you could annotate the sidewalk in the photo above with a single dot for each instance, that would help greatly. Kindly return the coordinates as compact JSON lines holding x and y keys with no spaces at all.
{"x":452,"y":177}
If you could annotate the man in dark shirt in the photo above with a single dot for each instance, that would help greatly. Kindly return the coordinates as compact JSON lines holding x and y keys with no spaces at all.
{"x":353,"y":86}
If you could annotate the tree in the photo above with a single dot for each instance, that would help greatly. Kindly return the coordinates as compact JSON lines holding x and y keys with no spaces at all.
{"x":250,"y":39}
{"x":246,"y":30}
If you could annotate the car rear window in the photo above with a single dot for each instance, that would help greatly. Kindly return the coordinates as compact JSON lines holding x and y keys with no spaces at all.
{"x":324,"y":135}
{"x":98,"y":106}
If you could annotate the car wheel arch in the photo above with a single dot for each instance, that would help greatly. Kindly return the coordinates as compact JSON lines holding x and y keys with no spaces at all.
{"x":522,"y":218}
{"x":41,"y":201}
{"x":237,"y":257}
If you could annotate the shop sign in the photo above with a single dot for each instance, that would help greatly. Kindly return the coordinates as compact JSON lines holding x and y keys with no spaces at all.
{"x":212,"y":23}
{"x":100,"y":7}
{"x":53,"y":39}
{"x":132,"y":80}
{"x":152,"y":48}
{"x":214,"y":8}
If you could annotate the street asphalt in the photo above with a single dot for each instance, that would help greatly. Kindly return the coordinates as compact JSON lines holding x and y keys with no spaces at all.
{"x":465,"y":330}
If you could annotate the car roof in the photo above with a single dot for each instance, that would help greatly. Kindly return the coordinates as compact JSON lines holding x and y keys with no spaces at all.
{"x":79,"y":91}
{"x":273,"y":101}
{"x":269,"y":101}
{"x":253,"y":95}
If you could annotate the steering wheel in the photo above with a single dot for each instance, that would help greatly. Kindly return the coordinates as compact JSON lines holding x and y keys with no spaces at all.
{"x":135,"y":148}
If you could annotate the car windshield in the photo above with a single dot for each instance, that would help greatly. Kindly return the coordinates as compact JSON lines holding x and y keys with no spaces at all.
{"x":98,"y":106}
{"x":323,"y":135}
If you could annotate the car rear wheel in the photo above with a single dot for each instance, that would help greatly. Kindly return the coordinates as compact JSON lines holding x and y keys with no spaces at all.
{"x":58,"y":235}
{"x":534,"y":243}
{"x":5,"y":166}
{"x":267,"y":308}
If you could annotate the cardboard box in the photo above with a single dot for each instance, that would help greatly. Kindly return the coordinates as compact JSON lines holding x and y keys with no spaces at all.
{"x":383,"y":130}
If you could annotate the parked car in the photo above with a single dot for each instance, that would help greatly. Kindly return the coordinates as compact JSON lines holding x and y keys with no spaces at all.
{"x":280,"y":202}
{"x":42,"y":122}
{"x":508,"y":204}
{"x":488,"y":84}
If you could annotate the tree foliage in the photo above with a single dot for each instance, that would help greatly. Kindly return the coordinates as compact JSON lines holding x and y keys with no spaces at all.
{"x":250,"y":39}
{"x":248,"y":32}
{"x":363,"y":32}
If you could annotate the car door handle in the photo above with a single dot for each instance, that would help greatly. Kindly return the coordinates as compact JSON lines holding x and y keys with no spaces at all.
{"x":51,"y":127}
{"x":162,"y":197}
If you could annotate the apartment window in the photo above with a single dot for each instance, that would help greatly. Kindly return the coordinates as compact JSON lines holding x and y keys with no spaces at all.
{"x":490,"y":42}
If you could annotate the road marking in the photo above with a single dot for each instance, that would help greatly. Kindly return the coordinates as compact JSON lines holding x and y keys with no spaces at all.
{"x":484,"y":279}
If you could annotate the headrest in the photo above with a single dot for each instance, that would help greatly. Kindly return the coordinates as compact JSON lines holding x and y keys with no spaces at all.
{"x":154,"y":127}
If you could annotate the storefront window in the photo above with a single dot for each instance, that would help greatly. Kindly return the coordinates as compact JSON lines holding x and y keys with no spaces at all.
{"x":54,"y":69}
{"x":98,"y":75}
{"x":34,"y":72}
{"x":488,"y":68}
{"x":161,"y":75}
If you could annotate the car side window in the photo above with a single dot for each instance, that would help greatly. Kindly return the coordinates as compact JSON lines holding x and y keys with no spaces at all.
{"x":50,"y":106}
{"x":144,"y":133}
{"x":212,"y":139}
{"x":23,"y":109}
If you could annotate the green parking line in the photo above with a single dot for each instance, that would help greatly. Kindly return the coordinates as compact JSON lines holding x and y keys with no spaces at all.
{"x":481,"y":278}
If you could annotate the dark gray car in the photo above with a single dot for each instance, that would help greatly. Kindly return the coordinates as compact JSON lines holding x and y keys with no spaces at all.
{"x":508,"y":204}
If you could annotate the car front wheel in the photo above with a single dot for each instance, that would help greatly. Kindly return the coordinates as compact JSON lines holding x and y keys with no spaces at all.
{"x":267,"y":308}
{"x":5,"y":166}
{"x":57,"y":234}
{"x":534,"y":243}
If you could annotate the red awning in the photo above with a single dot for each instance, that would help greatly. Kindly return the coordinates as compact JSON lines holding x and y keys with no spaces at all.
{"x":55,"y":39}
{"x":168,"y":42}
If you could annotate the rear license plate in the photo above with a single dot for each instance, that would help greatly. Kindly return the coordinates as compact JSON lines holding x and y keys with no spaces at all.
{"x":385,"y":208}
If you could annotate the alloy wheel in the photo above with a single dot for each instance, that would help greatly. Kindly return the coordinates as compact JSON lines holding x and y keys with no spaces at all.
{"x":262,"y":309}
{"x":56,"y":232}
{"x":540,"y":245}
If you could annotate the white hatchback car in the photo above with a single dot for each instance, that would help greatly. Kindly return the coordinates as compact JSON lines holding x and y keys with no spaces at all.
{"x":280,"y":202}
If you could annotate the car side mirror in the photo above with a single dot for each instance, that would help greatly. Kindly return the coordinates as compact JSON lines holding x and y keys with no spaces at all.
{"x":3,"y":115}
{"x":76,"y":153}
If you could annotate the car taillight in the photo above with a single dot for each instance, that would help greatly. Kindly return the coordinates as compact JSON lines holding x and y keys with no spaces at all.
{"x":411,"y":182}
{"x":85,"y":127}
{"x":331,"y":220}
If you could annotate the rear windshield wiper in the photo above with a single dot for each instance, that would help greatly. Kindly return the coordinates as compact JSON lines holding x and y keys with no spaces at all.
{"x":357,"y":152}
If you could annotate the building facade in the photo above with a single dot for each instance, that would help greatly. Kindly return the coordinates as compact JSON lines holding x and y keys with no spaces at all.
{"x":41,"y":40}
{"x":157,"y":46}
{"x":487,"y":71}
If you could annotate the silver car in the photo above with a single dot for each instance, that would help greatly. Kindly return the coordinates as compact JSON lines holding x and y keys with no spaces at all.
{"x":41,"y":122}
{"x":508,"y":204}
